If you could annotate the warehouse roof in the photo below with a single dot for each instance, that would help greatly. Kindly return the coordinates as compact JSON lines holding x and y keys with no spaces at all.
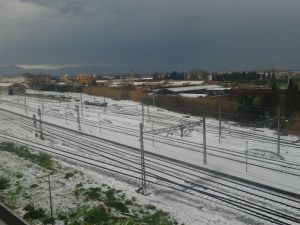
{"x":6,"y":84}
{"x":195,"y":88}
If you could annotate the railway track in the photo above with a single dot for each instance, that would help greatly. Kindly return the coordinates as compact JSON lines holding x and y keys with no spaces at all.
{"x":179,"y":178}
{"x":286,"y":167}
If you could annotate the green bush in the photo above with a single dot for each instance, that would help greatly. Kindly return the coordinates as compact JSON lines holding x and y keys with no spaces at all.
{"x":69,"y":175}
{"x":19,"y":175}
{"x":4,"y":183}
{"x":120,"y":206}
{"x":97,"y":216}
{"x":34,"y":214}
{"x":92,"y":194}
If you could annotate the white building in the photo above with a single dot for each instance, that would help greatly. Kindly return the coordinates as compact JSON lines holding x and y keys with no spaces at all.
{"x":12,"y":89}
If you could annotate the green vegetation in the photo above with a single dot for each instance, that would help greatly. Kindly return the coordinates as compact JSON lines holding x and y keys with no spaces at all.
{"x":112,"y":204}
{"x":36,"y":214}
{"x":69,"y":175}
{"x":96,"y":205}
{"x":4,"y":183}
{"x":41,"y":159}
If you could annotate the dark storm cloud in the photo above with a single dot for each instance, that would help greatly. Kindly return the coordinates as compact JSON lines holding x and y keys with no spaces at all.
{"x":69,"y":6}
{"x":152,"y":34}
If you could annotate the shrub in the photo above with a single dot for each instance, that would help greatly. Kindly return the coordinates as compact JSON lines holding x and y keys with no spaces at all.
{"x":97,"y":216}
{"x":4,"y":183}
{"x":19,"y":175}
{"x":120,"y":206}
{"x":33,"y":214}
{"x":69,"y":175}
{"x":92,"y":194}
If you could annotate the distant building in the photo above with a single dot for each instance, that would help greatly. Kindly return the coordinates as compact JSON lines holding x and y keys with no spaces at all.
{"x":12,"y":89}
{"x":85,"y":79}
{"x":65,"y":78}
{"x":201,"y":89}
{"x":103,"y":82}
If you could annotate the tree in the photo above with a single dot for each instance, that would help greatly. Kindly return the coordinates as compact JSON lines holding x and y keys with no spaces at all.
{"x":292,"y":97}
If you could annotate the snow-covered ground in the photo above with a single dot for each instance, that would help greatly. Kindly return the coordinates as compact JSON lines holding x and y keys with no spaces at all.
{"x":120,"y":122}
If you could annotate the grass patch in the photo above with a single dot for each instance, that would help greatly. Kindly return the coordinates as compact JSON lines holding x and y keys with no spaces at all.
{"x":4,"y":183}
{"x":97,"y":216}
{"x":69,"y":175}
{"x":42,"y":159}
{"x":92,"y":194}
{"x":19,"y":175}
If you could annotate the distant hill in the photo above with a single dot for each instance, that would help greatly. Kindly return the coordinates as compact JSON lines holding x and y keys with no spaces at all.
{"x":13,"y":70}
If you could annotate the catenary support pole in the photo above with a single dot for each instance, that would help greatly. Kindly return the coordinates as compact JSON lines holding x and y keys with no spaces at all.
{"x":181,"y":130}
{"x":99,"y":121}
{"x":148,"y":113}
{"x":35,"y":125}
{"x":153,"y":96}
{"x":220,"y":122}
{"x":143,"y":170}
{"x":78,"y":116}
{"x":204,"y":141}
{"x":143,"y":116}
{"x":66,"y":114}
{"x":41,"y":127}
{"x":152,"y":136}
{"x":246,"y":156}
{"x":81,"y":103}
{"x":278,"y":130}
{"x":25,"y":102}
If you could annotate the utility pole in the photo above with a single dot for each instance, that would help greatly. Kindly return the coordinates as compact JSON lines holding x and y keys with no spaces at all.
{"x":220,"y":123}
{"x":246,"y":156}
{"x":41,"y":127}
{"x":50,"y":197}
{"x":78,"y":116}
{"x":143,"y":171}
{"x":181,"y":130}
{"x":278,"y":130}
{"x":204,"y":141}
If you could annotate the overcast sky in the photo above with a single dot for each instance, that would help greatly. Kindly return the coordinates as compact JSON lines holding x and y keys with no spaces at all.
{"x":151,"y":35}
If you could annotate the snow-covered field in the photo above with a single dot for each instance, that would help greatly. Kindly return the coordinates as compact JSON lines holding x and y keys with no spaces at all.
{"x":169,"y":134}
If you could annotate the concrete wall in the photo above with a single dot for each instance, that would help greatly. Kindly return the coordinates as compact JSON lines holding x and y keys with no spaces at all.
{"x":9,"y":217}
